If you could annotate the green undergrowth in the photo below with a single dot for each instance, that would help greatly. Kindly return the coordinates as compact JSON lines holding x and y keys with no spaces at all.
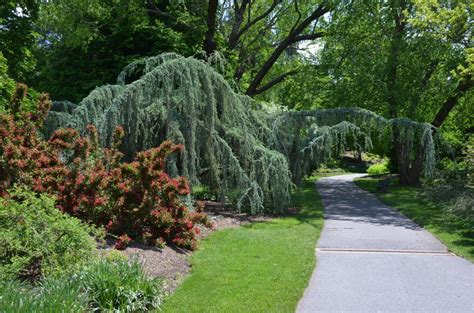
{"x":259,"y":267}
{"x":454,"y":233}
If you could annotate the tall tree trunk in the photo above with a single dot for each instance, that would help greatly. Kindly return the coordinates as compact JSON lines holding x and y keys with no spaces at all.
{"x":209,"y":42}
{"x":398,"y":152}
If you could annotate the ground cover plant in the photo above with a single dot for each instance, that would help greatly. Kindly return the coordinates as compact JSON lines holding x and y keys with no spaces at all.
{"x":261,"y":267}
{"x":117,"y":283}
{"x":453,"y":184}
{"x":456,"y":234}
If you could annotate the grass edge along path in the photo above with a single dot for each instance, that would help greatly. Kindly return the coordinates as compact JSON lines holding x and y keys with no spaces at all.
{"x":259,"y":267}
{"x":410,"y":201}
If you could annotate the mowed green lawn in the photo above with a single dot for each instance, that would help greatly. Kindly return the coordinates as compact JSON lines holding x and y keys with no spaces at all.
{"x":410,"y":201}
{"x":260,"y":267}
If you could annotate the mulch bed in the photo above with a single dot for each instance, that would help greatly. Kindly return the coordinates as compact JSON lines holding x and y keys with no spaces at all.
{"x":172,"y":263}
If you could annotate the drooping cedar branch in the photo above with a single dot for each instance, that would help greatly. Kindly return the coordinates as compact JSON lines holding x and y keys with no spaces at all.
{"x":230,"y":145}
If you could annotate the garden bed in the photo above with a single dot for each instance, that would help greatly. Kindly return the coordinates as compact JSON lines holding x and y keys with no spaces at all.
{"x":172,"y":263}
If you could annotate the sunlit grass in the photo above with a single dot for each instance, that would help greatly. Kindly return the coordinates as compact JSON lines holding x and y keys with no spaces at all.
{"x":261,"y":267}
{"x":457,"y":236}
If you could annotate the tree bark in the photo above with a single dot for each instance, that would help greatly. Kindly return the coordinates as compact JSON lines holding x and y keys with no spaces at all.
{"x":209,"y":42}
{"x":239,"y":12}
{"x":398,"y":154}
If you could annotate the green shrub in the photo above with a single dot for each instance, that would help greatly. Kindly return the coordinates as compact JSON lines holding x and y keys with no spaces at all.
{"x":378,"y":169}
{"x":36,"y":239}
{"x":7,"y":89}
{"x":201,"y":192}
{"x":116,"y":284}
{"x":453,"y":184}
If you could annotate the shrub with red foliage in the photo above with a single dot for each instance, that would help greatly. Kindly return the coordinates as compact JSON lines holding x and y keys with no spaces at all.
{"x":136,"y":199}
{"x":122,"y":242}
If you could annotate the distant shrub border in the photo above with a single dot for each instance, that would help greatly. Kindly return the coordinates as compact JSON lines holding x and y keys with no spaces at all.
{"x":136,"y":200}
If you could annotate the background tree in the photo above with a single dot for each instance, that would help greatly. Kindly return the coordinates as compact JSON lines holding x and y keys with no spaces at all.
{"x":7,"y":85}
{"x":18,"y":36}
{"x":399,"y":59}
{"x":260,"y":38}
{"x":86,"y":44}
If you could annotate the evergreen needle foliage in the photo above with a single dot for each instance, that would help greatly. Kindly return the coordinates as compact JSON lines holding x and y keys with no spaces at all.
{"x":231,"y":144}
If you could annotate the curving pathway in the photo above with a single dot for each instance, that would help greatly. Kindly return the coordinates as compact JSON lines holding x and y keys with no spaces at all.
{"x":373,"y":259}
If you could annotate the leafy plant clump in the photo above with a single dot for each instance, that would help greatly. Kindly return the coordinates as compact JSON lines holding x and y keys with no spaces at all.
{"x":36,"y":239}
{"x":52,"y":295}
{"x":378,"y":169}
{"x":106,"y":285}
{"x":116,"y":284}
{"x":232,"y":145}
{"x":136,"y":200}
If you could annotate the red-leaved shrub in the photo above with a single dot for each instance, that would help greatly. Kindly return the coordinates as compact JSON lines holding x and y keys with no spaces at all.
{"x":122,"y":242}
{"x":136,"y":199}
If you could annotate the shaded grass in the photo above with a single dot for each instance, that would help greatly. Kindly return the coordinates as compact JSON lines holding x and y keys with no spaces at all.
{"x":456,"y":235}
{"x":260,"y":267}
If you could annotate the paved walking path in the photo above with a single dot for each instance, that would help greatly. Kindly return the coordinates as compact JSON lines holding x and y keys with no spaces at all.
{"x":373,"y":259}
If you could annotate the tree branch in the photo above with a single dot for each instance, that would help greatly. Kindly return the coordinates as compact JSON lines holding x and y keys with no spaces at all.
{"x":275,"y":81}
{"x":317,"y":13}
{"x":299,"y":16}
{"x":423,"y":83}
{"x":237,"y":32}
{"x":463,"y":87}
{"x":307,"y":37}
{"x":154,"y":9}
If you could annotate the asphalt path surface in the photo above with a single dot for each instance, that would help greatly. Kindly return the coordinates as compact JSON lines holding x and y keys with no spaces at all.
{"x":370,"y":258}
